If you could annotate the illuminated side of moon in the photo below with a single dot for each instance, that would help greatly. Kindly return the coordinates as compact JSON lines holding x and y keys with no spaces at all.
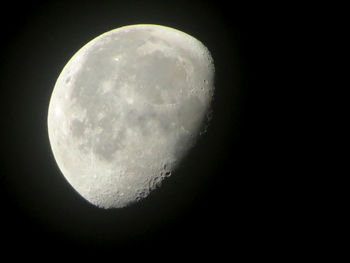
{"x":125,"y":110}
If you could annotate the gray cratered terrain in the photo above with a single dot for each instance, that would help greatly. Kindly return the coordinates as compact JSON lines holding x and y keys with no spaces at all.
{"x":126,"y":109}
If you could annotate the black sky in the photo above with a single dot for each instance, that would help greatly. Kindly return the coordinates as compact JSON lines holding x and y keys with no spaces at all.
{"x":214,"y":201}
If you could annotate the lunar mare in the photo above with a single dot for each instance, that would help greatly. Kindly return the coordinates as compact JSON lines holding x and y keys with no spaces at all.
{"x":126,"y":109}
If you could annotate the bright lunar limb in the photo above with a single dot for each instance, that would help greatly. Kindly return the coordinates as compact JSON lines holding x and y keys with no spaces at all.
{"x":126,"y":109}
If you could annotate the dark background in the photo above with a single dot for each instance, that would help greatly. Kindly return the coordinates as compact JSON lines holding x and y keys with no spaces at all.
{"x":217,"y":201}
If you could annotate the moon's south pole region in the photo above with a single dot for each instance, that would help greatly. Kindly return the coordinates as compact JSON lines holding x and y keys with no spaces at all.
{"x":126,"y":109}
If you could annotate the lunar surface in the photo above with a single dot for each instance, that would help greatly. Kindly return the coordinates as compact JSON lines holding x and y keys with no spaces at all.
{"x":126,"y":109}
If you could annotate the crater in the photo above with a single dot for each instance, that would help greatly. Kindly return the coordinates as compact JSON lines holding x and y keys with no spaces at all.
{"x":77,"y":128}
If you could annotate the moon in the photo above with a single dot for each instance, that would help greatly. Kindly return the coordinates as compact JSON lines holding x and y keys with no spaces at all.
{"x":126,"y":109}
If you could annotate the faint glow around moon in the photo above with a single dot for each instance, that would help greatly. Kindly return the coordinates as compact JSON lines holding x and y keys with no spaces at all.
{"x":125,"y":110}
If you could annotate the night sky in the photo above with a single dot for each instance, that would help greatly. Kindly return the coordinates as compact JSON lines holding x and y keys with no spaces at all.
{"x":212,"y":202}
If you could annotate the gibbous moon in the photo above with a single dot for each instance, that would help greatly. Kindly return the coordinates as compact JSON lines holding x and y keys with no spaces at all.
{"x":126,"y":109}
